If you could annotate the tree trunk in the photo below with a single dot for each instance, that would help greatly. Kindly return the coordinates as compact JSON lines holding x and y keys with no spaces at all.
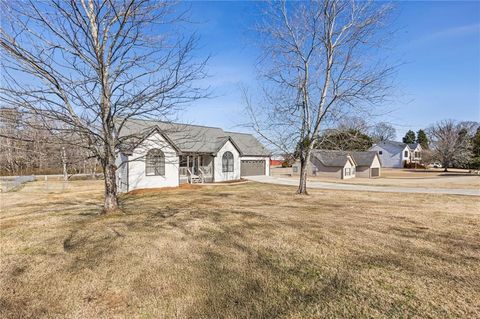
{"x":64,"y":164}
{"x":111,"y":195}
{"x":94,"y":168}
{"x":302,"y":187}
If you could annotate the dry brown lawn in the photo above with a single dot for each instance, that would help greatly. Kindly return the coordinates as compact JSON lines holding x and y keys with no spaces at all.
{"x":237,"y":251}
{"x":415,"y":178}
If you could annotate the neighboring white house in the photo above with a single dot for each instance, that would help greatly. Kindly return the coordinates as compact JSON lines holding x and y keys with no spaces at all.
{"x":396,"y":154}
{"x":166,"y":155}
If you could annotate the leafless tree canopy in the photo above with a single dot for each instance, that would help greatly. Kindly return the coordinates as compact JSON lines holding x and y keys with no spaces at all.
{"x":451,"y":142}
{"x":320,"y":63}
{"x":81,"y":64}
{"x":383,"y":132}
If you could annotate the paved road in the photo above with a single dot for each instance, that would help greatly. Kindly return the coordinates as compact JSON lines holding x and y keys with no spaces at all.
{"x":366,"y":188}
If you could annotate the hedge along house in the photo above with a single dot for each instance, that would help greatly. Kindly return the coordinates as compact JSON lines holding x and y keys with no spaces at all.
{"x":168,"y":154}
{"x":336,"y":164}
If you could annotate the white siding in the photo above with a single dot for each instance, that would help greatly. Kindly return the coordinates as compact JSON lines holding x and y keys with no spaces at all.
{"x":122,"y":174}
{"x":220,"y":176}
{"x":375,"y":163}
{"x":138,"y":179}
{"x":405,"y":150}
{"x":259,"y":158}
{"x":351,"y":166}
{"x":389,"y":158}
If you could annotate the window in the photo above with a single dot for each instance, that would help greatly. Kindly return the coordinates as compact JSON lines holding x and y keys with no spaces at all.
{"x":417,"y":154}
{"x":380,"y":152}
{"x":227,"y":162}
{"x":155,"y":163}
{"x":347,"y":171}
{"x":405,"y":154}
{"x":295,"y":169}
{"x":353,"y":170}
{"x":183,"y":161}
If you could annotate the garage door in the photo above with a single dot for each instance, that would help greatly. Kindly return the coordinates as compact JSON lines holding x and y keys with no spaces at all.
{"x":375,"y":172}
{"x":252,"y":167}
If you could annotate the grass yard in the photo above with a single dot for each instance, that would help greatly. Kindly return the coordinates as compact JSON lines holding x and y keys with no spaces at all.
{"x":238,"y":251}
{"x":394,"y":177}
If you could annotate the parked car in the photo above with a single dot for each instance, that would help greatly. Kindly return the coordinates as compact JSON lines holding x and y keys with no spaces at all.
{"x":436,"y":165}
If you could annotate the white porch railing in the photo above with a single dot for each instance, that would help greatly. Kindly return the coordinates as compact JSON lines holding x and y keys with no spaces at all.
{"x":206,"y":170}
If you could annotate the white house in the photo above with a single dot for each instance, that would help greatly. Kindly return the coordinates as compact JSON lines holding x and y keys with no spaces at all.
{"x":396,"y":154}
{"x":156,"y":154}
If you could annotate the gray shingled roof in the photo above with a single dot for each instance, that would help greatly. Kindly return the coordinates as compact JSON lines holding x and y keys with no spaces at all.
{"x":393,"y":143}
{"x":331,"y":158}
{"x":363,"y":158}
{"x":195,"y":138}
{"x":394,"y":146}
{"x":413,"y":146}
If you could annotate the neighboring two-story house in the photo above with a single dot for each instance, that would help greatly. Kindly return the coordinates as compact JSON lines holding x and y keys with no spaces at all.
{"x":396,"y":154}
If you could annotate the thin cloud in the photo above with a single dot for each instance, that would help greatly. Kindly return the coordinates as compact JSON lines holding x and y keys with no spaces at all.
{"x":457,"y":31}
{"x":445,"y":34}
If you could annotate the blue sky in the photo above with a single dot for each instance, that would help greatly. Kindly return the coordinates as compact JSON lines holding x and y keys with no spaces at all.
{"x":437,"y":42}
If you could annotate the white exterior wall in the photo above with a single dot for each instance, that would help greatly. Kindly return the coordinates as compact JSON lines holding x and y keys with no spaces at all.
{"x":218,"y":175}
{"x":136,"y":166}
{"x":375,"y":163}
{"x":389,"y":158}
{"x":406,"y":158}
{"x":259,"y":158}
{"x":351,"y":166}
{"x":122,"y":174}
{"x":419,"y":150}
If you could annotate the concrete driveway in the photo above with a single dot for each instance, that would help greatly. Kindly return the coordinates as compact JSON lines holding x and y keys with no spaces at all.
{"x":352,"y":187}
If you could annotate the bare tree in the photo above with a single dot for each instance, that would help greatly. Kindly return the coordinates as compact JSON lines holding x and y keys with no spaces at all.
{"x":350,"y":134}
{"x":383,"y":132}
{"x":85,"y":63}
{"x":451,"y":142}
{"x":318,"y":66}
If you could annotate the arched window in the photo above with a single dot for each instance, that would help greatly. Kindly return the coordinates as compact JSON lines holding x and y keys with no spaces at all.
{"x":155,"y":163}
{"x":227,"y":162}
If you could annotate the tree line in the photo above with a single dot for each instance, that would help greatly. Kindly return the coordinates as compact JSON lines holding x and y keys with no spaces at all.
{"x":26,"y":149}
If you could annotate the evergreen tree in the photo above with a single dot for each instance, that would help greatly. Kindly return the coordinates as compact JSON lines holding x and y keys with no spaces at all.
{"x":422,"y":139}
{"x":409,"y":137}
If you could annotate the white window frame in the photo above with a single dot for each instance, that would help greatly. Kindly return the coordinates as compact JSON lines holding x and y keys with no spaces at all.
{"x":228,"y":165}
{"x":155,"y":163}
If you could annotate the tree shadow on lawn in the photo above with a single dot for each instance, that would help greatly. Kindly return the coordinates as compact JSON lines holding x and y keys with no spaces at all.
{"x":245,"y":267}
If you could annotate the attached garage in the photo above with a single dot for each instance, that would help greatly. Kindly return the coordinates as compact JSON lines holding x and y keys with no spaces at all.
{"x":252,"y":167}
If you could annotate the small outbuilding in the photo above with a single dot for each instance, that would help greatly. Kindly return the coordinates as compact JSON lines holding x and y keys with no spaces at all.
{"x":336,"y":164}
{"x":368,"y":164}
